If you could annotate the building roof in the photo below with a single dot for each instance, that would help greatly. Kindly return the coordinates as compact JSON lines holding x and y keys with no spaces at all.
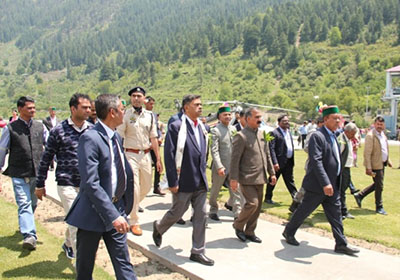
{"x":394,"y":69}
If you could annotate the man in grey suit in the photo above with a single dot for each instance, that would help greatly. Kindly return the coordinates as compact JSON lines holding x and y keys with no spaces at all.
{"x":322,"y":182}
{"x":221,"y":150}
{"x":250,"y":163}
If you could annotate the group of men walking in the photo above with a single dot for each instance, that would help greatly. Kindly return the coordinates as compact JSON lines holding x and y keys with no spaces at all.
{"x":104,"y":171}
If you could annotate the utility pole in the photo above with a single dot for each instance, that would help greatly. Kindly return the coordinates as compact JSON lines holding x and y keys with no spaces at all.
{"x":366,"y":106}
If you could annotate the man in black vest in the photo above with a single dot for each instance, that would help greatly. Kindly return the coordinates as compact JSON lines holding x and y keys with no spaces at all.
{"x":24,"y":139}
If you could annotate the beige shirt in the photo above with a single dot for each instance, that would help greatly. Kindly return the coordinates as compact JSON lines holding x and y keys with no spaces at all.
{"x":138,"y":129}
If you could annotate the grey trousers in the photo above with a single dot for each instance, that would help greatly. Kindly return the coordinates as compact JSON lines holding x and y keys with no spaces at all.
{"x":236,"y":199}
{"x":180,"y":203}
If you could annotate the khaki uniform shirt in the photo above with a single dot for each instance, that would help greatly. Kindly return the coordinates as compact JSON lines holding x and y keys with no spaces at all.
{"x":138,"y":129}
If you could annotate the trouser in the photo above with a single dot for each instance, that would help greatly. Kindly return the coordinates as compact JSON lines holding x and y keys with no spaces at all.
{"x":331,"y":206}
{"x":377,"y":186}
{"x":117,"y":247}
{"x":156,"y":183}
{"x":142,"y":171}
{"x":235,"y":198}
{"x":67,"y":196}
{"x":287,"y":174}
{"x":180,"y":204}
{"x":346,"y":179}
{"x":303,"y":138}
{"x":24,"y":191}
{"x":247,"y":220}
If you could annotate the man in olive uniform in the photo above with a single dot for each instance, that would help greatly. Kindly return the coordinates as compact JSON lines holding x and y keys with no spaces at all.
{"x":138,"y":127}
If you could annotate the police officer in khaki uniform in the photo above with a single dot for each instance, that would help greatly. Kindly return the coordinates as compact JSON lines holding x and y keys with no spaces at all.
{"x":138,"y":127}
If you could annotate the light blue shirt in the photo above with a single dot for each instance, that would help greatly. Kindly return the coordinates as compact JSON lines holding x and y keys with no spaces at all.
{"x":335,"y":147}
{"x":5,"y":141}
{"x":303,"y":130}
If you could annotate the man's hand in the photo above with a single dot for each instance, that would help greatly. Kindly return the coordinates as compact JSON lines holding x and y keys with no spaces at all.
{"x":276,"y":167}
{"x":40,"y":193}
{"x":272,"y":179}
{"x":368,"y":172}
{"x":234,"y":185}
{"x":159,"y":166}
{"x":221,"y":172}
{"x":174,"y":189}
{"x":328,"y":190}
{"x":121,"y":225}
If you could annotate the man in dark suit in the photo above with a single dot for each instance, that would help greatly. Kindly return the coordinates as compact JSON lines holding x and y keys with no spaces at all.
{"x":106,"y":193}
{"x":185,"y":161}
{"x":322,"y":182}
{"x":282,"y":154}
{"x":51,"y":121}
{"x":241,"y":122}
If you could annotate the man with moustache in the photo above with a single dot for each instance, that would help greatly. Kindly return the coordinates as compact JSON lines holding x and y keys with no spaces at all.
{"x":185,"y":161}
{"x":106,"y":193}
{"x":63,"y":143}
{"x":221,"y":150}
{"x":23,"y":139}
{"x":139,"y":131}
{"x":250,"y":165}
{"x":322,"y":183}
{"x":376,"y":157}
{"x":282,"y":154}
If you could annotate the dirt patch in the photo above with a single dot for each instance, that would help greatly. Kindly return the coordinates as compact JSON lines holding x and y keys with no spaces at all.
{"x":51,"y":216}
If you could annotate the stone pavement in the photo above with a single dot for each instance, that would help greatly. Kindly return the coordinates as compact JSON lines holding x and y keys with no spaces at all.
{"x":273,"y":259}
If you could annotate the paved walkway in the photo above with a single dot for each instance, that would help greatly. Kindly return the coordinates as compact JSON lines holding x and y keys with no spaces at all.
{"x":273,"y":259}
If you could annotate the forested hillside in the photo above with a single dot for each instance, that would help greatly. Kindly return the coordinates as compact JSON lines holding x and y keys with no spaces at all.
{"x":285,"y":53}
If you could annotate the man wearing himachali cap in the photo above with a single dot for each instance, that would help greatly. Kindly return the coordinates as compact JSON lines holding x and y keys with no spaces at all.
{"x":221,"y":151}
{"x":322,"y":183}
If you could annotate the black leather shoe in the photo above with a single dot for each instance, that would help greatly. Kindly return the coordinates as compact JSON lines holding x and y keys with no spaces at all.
{"x":201,"y":258}
{"x":159,"y":192}
{"x":157,"y":238}
{"x":181,"y":221}
{"x":213,"y":216}
{"x":141,"y":210}
{"x":343,"y":249}
{"x":354,"y":191}
{"x":270,"y":201}
{"x":290,"y":239}
{"x":253,"y":238}
{"x":381,"y":211}
{"x":358,"y":199}
{"x":227,"y":206}
{"x":293,"y":206}
{"x":240,"y":234}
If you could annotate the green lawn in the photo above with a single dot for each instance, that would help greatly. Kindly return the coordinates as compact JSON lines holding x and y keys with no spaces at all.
{"x":48,"y":261}
{"x":367,"y":225}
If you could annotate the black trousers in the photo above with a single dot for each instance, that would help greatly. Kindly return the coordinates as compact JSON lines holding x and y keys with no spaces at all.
{"x":156,"y":173}
{"x":331,"y":205}
{"x":287,"y":174}
{"x":377,"y":186}
{"x":346,"y":179}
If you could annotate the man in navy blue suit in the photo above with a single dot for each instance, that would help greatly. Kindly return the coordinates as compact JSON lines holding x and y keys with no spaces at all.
{"x":322,"y":182}
{"x":105,"y":195}
{"x":282,"y":154}
{"x":185,"y":161}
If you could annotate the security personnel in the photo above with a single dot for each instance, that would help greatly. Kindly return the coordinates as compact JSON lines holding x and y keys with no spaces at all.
{"x":138,"y":127}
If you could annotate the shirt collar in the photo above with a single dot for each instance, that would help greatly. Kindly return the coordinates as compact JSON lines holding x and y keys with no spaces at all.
{"x":29,"y":123}
{"x":109,"y":131}
{"x":192,"y":122}
{"x":77,"y":128}
{"x":283,"y":130}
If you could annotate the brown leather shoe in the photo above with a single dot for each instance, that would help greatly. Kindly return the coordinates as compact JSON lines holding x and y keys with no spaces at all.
{"x":136,"y":230}
{"x":159,"y":192}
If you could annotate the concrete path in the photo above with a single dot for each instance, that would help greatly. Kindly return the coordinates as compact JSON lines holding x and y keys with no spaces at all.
{"x":273,"y":259}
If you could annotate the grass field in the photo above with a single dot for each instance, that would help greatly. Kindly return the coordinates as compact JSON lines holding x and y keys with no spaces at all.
{"x":367,"y":225}
{"x":48,"y":261}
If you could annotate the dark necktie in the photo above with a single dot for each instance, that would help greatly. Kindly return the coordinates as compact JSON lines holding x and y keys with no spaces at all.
{"x":121,"y":185}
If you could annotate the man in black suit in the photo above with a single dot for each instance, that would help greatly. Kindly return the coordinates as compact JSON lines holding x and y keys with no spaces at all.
{"x":322,"y":182}
{"x":106,"y":193}
{"x":282,"y":154}
{"x":51,"y":121}
{"x":241,"y":122}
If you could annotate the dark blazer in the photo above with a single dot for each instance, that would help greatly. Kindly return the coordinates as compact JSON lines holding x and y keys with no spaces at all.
{"x":238,"y":127}
{"x":278,"y":148}
{"x":193,"y":170}
{"x":322,"y":165}
{"x":93,"y":209}
{"x":47,"y":123}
